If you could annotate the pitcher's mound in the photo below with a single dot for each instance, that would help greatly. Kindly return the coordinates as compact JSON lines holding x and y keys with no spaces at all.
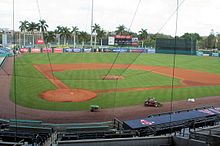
{"x":112,"y":77}
{"x":68,"y":95}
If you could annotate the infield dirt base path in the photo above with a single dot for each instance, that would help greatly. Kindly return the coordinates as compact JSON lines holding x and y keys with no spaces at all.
{"x":8,"y":111}
{"x":66,"y":94}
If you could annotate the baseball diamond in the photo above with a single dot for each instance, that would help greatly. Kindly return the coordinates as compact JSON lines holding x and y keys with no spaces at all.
{"x":69,"y":83}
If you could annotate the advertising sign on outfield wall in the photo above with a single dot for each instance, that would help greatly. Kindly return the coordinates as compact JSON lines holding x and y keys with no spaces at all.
{"x":151,"y":50}
{"x":137,"y":50}
{"x":35,"y":50}
{"x":119,"y":50}
{"x":76,"y":50}
{"x":198,"y":53}
{"x":58,"y":50}
{"x":215,"y":54}
{"x":24,"y":50}
{"x":68,"y":50}
{"x":87,"y":50}
{"x":47,"y":50}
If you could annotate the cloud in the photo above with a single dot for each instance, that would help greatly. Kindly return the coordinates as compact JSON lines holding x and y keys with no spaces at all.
{"x":194,"y":15}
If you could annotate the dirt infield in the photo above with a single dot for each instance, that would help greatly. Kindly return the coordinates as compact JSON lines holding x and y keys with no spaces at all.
{"x":9,"y":111}
{"x":66,"y":94}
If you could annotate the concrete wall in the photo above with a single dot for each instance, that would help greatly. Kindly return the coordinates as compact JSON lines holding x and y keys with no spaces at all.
{"x":180,"y":141}
{"x":140,"y":141}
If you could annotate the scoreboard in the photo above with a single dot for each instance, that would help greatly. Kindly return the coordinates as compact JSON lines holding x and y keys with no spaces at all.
{"x":123,"y":40}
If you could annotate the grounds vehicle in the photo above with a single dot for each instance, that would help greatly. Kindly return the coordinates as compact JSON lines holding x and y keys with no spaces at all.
{"x":151,"y":101}
{"x":94,"y":108}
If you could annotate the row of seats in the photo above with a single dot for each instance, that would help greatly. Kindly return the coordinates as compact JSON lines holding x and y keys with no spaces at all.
{"x":16,"y":131}
{"x":95,"y":135}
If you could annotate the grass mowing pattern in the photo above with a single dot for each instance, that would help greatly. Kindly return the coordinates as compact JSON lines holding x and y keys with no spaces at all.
{"x":30,"y":83}
{"x":92,"y":79}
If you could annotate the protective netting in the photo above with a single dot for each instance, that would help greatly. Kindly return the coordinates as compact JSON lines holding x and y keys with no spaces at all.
{"x":62,"y":88}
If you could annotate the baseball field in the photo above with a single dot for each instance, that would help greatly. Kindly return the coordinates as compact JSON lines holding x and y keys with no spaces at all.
{"x":73,"y":82}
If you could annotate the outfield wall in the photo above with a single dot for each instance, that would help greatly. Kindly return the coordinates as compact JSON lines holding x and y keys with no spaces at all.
{"x":115,"y":50}
{"x":87,"y":50}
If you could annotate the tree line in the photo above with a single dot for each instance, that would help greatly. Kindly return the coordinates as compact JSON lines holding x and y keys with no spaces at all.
{"x":64,"y":34}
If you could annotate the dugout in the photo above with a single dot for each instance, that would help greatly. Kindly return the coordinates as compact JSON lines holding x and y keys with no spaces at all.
{"x":173,"y":121}
{"x":176,"y":46}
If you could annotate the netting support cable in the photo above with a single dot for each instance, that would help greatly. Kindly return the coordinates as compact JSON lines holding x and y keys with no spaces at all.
{"x":38,"y":8}
{"x":14,"y":71}
{"x":39,"y":13}
{"x":5,"y":71}
{"x":174,"y":64}
{"x":135,"y":13}
{"x":168,"y":19}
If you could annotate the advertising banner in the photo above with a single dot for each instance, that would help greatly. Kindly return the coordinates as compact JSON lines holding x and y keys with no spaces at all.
{"x":198,"y":53}
{"x":68,"y":50}
{"x":87,"y":50}
{"x":111,"y":41}
{"x":35,"y":50}
{"x":134,"y":44}
{"x":76,"y":50}
{"x":58,"y":50}
{"x":215,"y":54}
{"x":119,"y":50}
{"x":47,"y":50}
{"x":151,"y":50}
{"x":40,"y":41}
{"x":107,"y":50}
{"x":24,"y":50}
{"x":137,"y":50}
{"x":123,"y":37}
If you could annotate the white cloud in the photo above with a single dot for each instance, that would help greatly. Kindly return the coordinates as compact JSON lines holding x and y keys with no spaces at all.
{"x":194,"y":15}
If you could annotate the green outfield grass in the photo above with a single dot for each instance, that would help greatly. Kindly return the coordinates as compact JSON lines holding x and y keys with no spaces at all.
{"x":30,"y":83}
{"x":92,"y":79}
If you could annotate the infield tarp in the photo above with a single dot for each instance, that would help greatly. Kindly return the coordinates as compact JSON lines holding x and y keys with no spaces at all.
{"x":163,"y":119}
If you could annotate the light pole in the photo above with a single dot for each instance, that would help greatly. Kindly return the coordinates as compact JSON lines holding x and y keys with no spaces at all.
{"x":91,"y":23}
{"x":95,"y":34}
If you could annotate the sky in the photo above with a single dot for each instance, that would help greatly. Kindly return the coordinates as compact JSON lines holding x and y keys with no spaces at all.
{"x":194,"y":16}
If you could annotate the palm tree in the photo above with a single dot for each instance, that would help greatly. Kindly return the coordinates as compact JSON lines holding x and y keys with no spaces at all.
{"x":23,"y":27}
{"x":95,"y":30}
{"x":32,"y":27}
{"x":49,"y":37}
{"x":101,"y":34}
{"x":65,"y":33}
{"x":143,"y":35}
{"x":120,"y":30}
{"x":83,"y":36}
{"x":58,"y":32}
{"x":42,"y":26}
{"x":74,"y":31}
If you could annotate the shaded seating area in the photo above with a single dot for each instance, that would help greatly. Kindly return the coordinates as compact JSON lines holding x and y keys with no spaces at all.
{"x":29,"y":131}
